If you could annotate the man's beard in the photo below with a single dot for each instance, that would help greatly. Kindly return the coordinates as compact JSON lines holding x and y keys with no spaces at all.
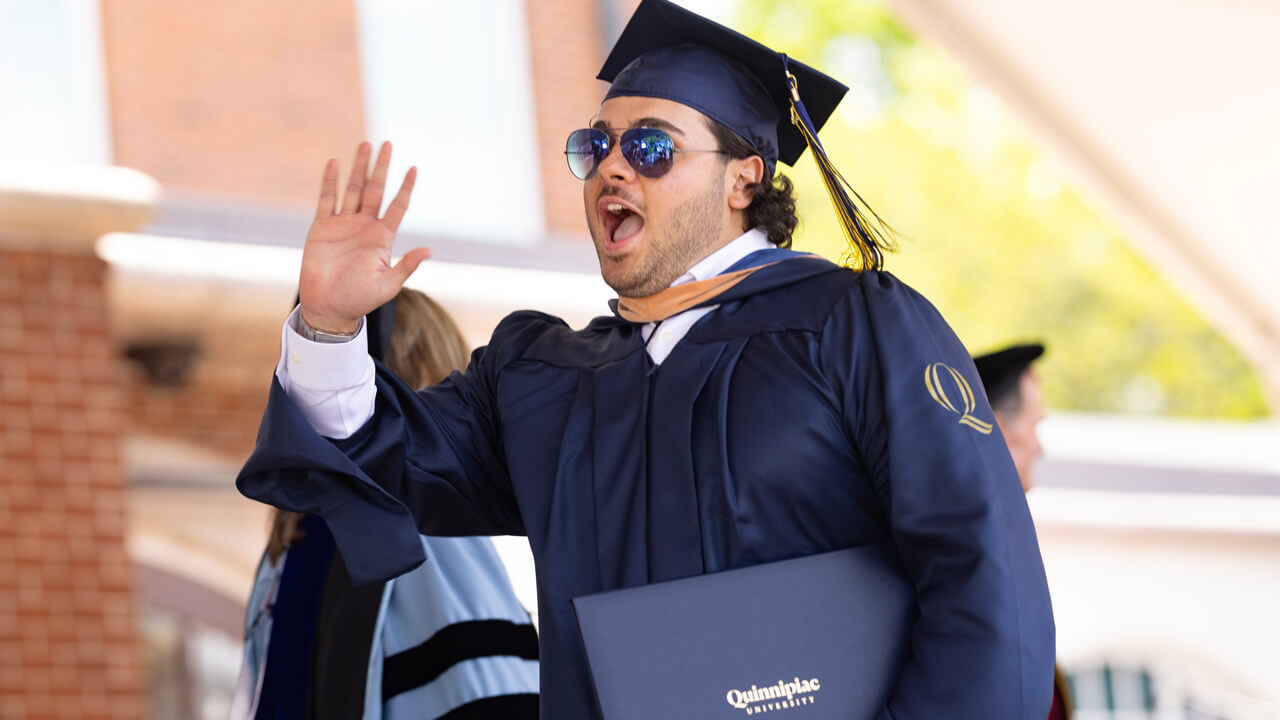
{"x":689,"y":232}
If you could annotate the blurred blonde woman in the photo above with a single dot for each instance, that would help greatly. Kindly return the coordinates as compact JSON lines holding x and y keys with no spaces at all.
{"x":447,"y":640}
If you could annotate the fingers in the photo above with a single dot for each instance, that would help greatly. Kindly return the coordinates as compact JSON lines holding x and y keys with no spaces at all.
{"x":372,"y":200}
{"x":400,"y":203}
{"x":351,"y":201}
{"x":328,"y":189}
{"x":410,"y":262}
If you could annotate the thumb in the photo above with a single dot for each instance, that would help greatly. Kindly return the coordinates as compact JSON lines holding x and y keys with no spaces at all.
{"x":409,"y":263}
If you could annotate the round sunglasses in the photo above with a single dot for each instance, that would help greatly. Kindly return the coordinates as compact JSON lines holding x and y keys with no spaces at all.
{"x":648,"y":151}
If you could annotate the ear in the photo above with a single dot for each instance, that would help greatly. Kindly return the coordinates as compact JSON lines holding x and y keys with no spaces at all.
{"x":742,"y":174}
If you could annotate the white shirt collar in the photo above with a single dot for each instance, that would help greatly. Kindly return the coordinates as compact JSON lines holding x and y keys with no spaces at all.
{"x":724,"y":258}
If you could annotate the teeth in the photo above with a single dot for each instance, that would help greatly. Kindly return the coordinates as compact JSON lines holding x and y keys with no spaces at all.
{"x":614,"y":208}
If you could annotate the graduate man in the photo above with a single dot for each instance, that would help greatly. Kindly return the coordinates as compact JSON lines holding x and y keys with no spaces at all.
{"x":1013,"y":389}
{"x":1016,"y":400}
{"x":743,"y":404}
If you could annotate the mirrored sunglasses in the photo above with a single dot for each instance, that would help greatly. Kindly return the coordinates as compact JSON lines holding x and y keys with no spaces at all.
{"x":648,"y":151}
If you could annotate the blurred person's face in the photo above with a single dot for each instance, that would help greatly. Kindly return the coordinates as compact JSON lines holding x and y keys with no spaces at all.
{"x":649,"y":231}
{"x":1019,"y":428}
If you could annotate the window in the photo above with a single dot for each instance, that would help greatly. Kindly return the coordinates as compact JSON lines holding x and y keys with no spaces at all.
{"x":448,"y":83}
{"x":1165,"y":690}
{"x":52,"y":87}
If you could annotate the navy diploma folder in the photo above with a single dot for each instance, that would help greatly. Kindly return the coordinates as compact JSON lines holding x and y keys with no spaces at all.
{"x":814,"y":638}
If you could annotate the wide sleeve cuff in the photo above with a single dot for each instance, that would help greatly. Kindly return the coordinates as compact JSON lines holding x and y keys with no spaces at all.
{"x":295,"y":469}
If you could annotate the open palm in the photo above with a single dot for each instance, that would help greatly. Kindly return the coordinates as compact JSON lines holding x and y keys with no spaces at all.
{"x":346,"y":263}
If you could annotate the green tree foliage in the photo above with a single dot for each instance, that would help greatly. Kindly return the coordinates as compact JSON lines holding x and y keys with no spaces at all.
{"x":988,"y":228}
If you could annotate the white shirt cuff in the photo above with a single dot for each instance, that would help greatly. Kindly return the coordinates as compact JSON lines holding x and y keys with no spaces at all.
{"x":331,"y":383}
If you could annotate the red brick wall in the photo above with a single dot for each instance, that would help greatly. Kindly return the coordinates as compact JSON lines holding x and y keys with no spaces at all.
{"x":234,"y":98}
{"x":219,"y":416}
{"x":243,"y":97}
{"x":68,"y":631}
{"x":221,"y":403}
{"x":566,"y":52}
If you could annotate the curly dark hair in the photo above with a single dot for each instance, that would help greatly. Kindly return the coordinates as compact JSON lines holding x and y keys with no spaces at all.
{"x":774,"y":206}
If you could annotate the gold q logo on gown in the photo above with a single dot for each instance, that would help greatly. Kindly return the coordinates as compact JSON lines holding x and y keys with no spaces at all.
{"x":934,"y":379}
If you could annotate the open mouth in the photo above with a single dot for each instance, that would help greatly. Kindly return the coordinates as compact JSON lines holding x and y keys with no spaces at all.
{"x":621,"y":222}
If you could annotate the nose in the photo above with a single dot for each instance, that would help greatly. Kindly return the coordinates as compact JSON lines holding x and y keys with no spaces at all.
{"x":614,"y":167}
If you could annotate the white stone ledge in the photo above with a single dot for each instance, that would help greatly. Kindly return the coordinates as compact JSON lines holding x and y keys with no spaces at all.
{"x":70,"y":207}
{"x":1188,"y":514}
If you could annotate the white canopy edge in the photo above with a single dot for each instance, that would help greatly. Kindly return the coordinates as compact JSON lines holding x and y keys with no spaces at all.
{"x":1165,"y":113}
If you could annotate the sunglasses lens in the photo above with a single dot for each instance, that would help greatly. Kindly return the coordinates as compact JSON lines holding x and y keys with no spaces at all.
{"x":648,"y":150}
{"x":585,"y":150}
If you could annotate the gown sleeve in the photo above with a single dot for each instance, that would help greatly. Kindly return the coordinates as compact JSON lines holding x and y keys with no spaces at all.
{"x":983,"y":644}
{"x":427,"y":462}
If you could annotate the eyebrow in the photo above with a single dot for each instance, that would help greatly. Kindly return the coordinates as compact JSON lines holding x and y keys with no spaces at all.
{"x":649,"y":122}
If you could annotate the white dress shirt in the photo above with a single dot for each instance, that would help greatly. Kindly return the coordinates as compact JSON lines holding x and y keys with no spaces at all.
{"x":332,"y":383}
{"x":661,"y":338}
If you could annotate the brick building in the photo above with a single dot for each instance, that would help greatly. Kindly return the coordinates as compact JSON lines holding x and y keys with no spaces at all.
{"x":140,"y":312}
{"x":133,"y":370}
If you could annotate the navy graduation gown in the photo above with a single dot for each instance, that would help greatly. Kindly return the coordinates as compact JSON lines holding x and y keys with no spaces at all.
{"x":817,"y":409}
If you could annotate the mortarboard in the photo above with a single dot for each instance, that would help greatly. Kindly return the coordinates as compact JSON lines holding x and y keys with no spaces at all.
{"x":775,"y":103}
{"x":1001,"y":369}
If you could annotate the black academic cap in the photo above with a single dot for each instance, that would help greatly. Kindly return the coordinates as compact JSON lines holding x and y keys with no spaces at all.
{"x":1001,"y":369}
{"x":668,"y":52}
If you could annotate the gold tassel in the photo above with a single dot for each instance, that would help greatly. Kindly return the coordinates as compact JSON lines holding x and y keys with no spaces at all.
{"x":868,"y":240}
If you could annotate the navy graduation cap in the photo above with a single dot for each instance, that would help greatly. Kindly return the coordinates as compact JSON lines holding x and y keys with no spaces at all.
{"x":775,"y":103}
{"x":1001,"y":369}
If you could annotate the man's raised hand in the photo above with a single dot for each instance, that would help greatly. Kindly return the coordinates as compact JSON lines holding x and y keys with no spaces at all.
{"x":346,"y":263}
